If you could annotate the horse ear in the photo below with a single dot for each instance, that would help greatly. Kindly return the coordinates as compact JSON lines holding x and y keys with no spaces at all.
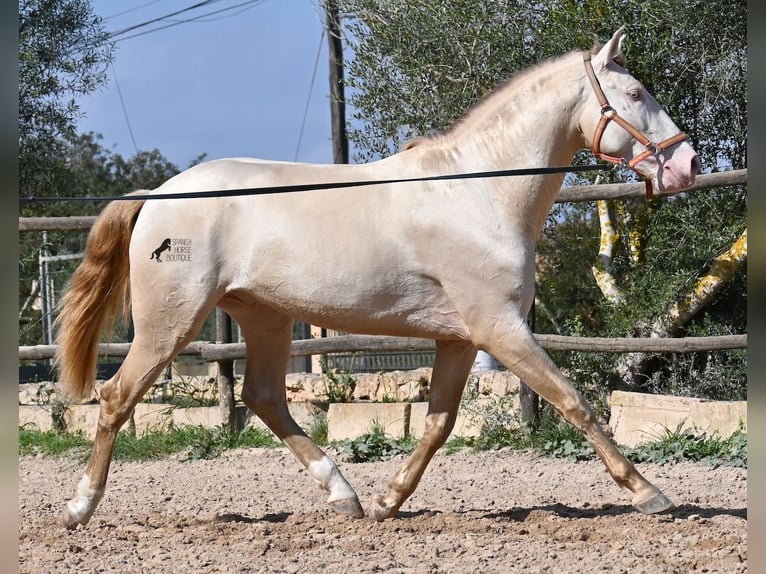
{"x":612,"y":50}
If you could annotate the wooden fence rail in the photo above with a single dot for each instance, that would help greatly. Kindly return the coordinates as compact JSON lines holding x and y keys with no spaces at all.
{"x":567,"y":194}
{"x":212,"y":352}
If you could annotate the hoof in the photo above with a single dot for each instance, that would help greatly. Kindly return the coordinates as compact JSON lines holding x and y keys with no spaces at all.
{"x":348,"y":506}
{"x":378,"y":509}
{"x":68,"y":520}
{"x":654,"y":503}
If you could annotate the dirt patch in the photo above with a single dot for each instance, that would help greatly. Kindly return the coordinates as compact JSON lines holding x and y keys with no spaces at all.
{"x":259,"y":511}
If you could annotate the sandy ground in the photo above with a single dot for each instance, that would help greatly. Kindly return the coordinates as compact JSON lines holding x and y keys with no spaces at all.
{"x":259,"y":511}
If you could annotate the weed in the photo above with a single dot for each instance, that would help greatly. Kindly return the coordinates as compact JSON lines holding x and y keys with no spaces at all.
{"x":690,"y":444}
{"x":496,"y":417}
{"x":338,"y":385}
{"x":185,"y":392}
{"x":558,"y":438}
{"x":375,"y":445}
{"x":47,"y":395}
{"x":317,"y":430}
{"x":458,"y":443}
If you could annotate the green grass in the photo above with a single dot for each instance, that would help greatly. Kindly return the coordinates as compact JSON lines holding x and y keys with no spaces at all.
{"x":553,"y":438}
{"x":51,"y":443}
{"x":195,"y":442}
{"x":558,"y":439}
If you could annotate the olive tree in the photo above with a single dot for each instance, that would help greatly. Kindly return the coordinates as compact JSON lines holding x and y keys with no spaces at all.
{"x":417,"y":65}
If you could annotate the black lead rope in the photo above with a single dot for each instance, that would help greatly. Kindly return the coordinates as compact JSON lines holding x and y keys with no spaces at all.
{"x":319,"y":186}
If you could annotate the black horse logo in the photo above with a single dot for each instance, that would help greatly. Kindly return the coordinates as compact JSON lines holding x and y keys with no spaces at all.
{"x":164,"y":247}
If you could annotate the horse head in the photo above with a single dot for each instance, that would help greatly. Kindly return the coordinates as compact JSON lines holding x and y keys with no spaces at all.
{"x":622,"y":122}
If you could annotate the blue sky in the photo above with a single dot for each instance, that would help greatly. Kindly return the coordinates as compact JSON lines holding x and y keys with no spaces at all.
{"x":232,"y":84}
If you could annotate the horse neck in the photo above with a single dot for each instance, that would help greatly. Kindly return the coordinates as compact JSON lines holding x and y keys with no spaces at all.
{"x":530,"y":122}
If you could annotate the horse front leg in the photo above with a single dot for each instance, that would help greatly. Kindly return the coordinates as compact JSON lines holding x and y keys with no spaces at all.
{"x":450,"y":372}
{"x":514,"y":345}
{"x":268,"y":334}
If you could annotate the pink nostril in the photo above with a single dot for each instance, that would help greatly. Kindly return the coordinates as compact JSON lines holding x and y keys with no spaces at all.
{"x":696,"y":166}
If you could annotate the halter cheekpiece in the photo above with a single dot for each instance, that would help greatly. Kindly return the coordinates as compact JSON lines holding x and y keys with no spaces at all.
{"x":608,"y":113}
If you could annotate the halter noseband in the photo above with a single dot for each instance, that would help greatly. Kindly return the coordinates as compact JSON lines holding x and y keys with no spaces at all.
{"x":608,"y":113}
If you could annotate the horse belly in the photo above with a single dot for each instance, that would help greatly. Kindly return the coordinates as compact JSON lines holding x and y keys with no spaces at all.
{"x":347,"y":294}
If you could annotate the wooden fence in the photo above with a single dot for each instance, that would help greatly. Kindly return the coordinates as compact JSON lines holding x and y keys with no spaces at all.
{"x":214,"y":352}
{"x":224,"y":353}
{"x":360,"y":343}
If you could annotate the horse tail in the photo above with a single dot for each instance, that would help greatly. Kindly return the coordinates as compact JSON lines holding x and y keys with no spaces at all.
{"x":98,"y":291}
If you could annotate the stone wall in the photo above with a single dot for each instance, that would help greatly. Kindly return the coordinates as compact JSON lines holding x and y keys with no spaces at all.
{"x":397,"y":402}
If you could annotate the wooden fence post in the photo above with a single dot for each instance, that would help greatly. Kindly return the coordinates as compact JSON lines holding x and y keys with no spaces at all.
{"x":225,"y":373}
{"x":529,"y":400}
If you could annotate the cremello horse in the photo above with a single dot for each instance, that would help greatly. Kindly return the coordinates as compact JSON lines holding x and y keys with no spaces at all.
{"x":452,"y":261}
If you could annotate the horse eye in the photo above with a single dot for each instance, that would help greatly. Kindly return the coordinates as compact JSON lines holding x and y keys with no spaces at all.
{"x":635,"y":95}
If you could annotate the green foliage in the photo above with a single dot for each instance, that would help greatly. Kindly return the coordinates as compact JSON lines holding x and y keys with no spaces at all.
{"x":688,"y":444}
{"x":373,"y":446}
{"x":195,"y":441}
{"x":51,"y":443}
{"x":559,"y":439}
{"x":317,"y":430}
{"x":339,"y":385}
{"x":565,"y":288}
{"x":552,"y":437}
{"x":719,"y":375}
{"x":555,"y":437}
{"x":63,"y":52}
{"x":406,"y":80}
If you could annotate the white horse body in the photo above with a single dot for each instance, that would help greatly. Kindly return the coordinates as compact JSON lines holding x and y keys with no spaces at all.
{"x":448,"y":260}
{"x":381,"y":259}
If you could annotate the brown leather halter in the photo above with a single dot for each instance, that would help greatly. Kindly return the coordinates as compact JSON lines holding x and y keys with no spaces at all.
{"x":608,"y":113}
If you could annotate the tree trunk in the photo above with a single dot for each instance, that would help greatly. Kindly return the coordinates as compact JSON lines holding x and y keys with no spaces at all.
{"x":632,"y":368}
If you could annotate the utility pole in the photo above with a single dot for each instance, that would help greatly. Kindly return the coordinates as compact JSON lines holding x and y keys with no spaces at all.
{"x":337,"y":116}
{"x":337,"y":96}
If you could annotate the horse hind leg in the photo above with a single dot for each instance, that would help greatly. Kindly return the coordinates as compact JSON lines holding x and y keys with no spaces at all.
{"x":148,"y":356}
{"x":268,"y":334}
{"x":450,"y":372}
{"x":118,"y":396}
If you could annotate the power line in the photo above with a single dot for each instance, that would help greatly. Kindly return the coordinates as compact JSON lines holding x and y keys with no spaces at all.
{"x":160,"y":18}
{"x":200,"y":18}
{"x":129,"y":10}
{"x":308,"y":99}
{"x":124,"y":109}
